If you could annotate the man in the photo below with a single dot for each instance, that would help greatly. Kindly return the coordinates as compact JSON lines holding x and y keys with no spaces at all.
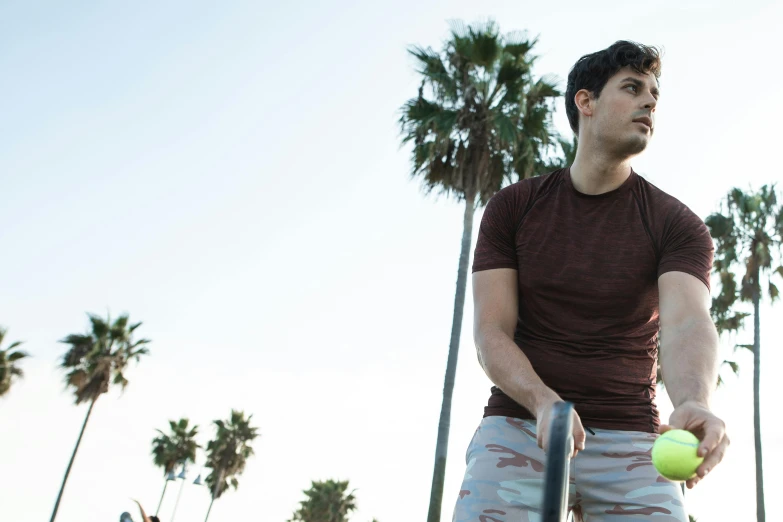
{"x":574,"y":275}
{"x":144,"y":516}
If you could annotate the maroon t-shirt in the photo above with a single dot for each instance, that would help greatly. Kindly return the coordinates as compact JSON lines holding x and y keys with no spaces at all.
{"x":588,"y":268}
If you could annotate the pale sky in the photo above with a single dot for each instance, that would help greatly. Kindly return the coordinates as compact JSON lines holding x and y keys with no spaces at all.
{"x":230,"y":174}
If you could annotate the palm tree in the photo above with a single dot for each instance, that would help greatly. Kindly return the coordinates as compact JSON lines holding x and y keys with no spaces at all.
{"x":227,"y":454}
{"x":93,"y":362}
{"x":748,"y":232}
{"x":178,"y":447}
{"x":480,"y":120}
{"x":326,"y":502}
{"x":564,"y":159}
{"x":9,"y":368}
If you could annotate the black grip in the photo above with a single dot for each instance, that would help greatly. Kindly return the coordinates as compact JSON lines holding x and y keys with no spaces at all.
{"x":557,"y":463}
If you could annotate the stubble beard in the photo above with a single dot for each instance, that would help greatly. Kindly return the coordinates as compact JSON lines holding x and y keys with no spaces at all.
{"x":627,"y":145}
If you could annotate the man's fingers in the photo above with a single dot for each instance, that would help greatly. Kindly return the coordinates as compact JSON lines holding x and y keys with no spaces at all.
{"x":663,"y":428}
{"x":714,"y":432}
{"x":579,"y":433}
{"x":714,"y":458}
{"x":677,"y":421}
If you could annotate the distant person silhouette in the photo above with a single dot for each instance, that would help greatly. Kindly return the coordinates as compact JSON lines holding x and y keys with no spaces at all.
{"x":144,"y":516}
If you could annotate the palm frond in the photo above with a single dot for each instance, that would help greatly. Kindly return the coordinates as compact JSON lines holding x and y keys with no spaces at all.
{"x":495,"y":124}
{"x":13,"y":344}
{"x":435,"y":73}
{"x":506,"y":129}
{"x":746,"y":242}
{"x":228,"y":452}
{"x":100,"y":328}
{"x":99,"y":358}
{"x":178,"y":447}
{"x":16,"y":356}
{"x":120,"y":380}
{"x":734,"y":366}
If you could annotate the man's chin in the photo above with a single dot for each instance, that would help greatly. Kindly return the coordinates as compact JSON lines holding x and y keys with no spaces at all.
{"x":635,"y":145}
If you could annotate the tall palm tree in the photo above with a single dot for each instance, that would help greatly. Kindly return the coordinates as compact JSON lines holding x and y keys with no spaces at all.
{"x":178,"y":447}
{"x":228,"y":452}
{"x":94,"y":361}
{"x":748,"y":233}
{"x":327,"y":501}
{"x":9,"y":367}
{"x":480,"y":120}
{"x":567,"y":157}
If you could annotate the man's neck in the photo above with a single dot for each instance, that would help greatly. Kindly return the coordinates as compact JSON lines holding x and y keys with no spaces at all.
{"x":597,"y":174}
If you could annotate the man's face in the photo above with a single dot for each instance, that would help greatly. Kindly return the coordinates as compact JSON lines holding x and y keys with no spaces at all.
{"x":624,"y":114}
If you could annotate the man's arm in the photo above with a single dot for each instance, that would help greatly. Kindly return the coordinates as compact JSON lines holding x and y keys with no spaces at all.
{"x":144,"y":516}
{"x":689,"y":341}
{"x":495,"y":298}
{"x":689,"y":363}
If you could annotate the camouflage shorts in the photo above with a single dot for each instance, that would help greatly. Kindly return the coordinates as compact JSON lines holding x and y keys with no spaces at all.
{"x":612,"y":480}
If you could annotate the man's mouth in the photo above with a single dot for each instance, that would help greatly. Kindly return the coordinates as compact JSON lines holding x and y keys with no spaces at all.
{"x":645,"y":120}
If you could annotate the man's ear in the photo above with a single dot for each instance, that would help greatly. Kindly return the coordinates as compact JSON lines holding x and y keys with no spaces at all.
{"x":584,"y":102}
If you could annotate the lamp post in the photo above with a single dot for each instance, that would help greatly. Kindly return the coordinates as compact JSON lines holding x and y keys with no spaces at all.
{"x":183,"y":475}
{"x":170,"y":477}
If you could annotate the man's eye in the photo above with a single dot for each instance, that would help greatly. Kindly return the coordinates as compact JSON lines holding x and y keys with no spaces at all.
{"x":635,"y":89}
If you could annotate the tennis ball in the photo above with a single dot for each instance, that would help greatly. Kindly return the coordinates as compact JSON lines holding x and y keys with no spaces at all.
{"x":674,"y":455}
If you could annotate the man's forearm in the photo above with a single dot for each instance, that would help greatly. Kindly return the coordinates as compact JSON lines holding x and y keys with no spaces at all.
{"x":689,"y":362}
{"x":510,"y":370}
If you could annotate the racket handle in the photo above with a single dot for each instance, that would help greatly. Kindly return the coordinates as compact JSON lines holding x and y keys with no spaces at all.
{"x":560,"y":448}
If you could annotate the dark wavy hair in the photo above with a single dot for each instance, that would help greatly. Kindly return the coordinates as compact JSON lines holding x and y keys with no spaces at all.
{"x":592,"y":71}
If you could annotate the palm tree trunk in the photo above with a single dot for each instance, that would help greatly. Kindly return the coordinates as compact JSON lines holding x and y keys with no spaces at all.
{"x":70,"y":464}
{"x":441,"y":449}
{"x":210,"y":508}
{"x":165,"y":485}
{"x":214,"y":492}
{"x":760,"y":512}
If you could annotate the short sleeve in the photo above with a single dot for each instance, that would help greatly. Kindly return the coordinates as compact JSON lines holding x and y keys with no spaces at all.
{"x":496,"y":244}
{"x":687,"y":246}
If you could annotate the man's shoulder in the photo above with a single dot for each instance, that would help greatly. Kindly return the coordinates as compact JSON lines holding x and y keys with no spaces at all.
{"x":666,"y":214}
{"x":658,"y":200}
{"x":530,"y":187}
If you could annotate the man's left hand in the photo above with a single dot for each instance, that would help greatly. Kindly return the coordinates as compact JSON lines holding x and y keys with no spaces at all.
{"x":710,"y":430}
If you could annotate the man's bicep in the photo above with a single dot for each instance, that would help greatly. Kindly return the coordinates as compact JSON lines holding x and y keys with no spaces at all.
{"x":495,"y":300}
{"x":683,"y":299}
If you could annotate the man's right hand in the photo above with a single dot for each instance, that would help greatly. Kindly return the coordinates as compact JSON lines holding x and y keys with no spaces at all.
{"x":544,"y":422}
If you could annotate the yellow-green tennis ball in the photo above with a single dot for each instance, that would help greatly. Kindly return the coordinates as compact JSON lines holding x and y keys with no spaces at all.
{"x":674,"y":455}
